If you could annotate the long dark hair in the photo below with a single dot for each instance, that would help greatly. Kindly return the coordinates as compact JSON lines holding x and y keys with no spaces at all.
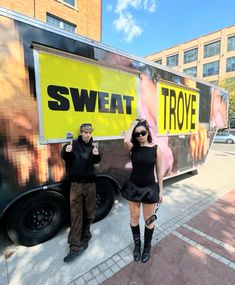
{"x":145,"y":124}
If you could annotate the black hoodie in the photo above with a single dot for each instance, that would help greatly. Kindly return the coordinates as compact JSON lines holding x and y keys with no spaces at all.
{"x":80,"y":161}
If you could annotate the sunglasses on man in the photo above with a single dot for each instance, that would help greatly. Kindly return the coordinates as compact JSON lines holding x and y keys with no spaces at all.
{"x":86,"y":127}
{"x":138,"y":134}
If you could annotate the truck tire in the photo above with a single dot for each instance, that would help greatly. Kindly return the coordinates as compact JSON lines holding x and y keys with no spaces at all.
{"x":36,"y":218}
{"x":104,"y":198}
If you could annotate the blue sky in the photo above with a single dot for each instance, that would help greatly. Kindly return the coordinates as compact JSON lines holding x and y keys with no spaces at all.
{"x":142,"y":27}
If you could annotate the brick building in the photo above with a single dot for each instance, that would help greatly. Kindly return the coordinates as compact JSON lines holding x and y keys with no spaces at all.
{"x":80,"y":16}
{"x":210,"y":57}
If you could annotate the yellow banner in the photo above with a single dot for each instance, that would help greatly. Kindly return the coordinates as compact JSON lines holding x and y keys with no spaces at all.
{"x":178,"y":109}
{"x":74,"y":92}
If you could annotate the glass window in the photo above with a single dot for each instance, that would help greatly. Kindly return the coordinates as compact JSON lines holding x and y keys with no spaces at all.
{"x":190,"y":55}
{"x":172,"y":60}
{"x":212,"y":49}
{"x":192,"y":71}
{"x":70,"y":2}
{"x":211,"y":68}
{"x":231,"y":43}
{"x":159,"y":61}
{"x":232,"y":123}
{"x":230,"y":66}
{"x":59,"y":23}
{"x":53,"y":21}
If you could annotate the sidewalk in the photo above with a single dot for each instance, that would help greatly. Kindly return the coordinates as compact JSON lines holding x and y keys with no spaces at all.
{"x":199,"y":251}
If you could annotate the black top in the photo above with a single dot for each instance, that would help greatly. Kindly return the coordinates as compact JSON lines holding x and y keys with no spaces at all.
{"x":80,"y":161}
{"x":143,"y":160}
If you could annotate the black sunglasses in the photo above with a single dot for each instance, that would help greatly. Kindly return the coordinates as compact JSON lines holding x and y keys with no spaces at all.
{"x":138,"y":134}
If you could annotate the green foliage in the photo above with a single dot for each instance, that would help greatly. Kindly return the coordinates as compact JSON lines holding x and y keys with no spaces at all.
{"x":229,"y":85}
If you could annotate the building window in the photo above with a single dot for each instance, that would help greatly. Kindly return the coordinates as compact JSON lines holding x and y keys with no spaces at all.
{"x":192,"y":71}
{"x":60,"y":23}
{"x":172,"y":60}
{"x":70,"y":2}
{"x":230,"y":66}
{"x":212,"y":49}
{"x":159,"y":61}
{"x":231,"y":43}
{"x":211,"y":68}
{"x":190,"y":55}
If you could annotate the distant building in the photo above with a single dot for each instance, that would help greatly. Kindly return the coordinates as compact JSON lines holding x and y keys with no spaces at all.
{"x":210,"y":57}
{"x":79,"y":16}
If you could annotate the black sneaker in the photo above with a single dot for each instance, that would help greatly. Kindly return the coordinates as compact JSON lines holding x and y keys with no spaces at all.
{"x":73,"y":254}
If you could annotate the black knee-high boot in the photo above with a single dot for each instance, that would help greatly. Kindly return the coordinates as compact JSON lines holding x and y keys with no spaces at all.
{"x":148,"y":234}
{"x":136,"y":236}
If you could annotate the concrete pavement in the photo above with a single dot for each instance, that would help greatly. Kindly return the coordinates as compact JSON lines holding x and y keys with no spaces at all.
{"x":110,"y":250}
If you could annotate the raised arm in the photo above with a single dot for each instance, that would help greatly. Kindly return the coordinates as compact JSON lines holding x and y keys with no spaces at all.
{"x":159,"y":173}
{"x":67,"y":151}
{"x":96,"y":157}
{"x":127,"y":138}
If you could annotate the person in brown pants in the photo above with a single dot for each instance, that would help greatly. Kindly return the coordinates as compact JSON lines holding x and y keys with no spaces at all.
{"x":80,"y":156}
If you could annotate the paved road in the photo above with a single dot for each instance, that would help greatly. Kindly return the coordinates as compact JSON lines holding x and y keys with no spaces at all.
{"x":223,"y":147}
{"x":110,"y":249}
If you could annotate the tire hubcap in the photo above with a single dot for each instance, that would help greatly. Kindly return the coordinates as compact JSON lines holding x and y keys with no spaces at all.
{"x":39,"y":218}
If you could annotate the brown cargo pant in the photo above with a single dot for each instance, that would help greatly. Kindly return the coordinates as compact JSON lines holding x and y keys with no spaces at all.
{"x":83,"y":210}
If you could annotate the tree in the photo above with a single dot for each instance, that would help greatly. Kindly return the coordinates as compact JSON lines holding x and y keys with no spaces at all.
{"x":229,"y":85}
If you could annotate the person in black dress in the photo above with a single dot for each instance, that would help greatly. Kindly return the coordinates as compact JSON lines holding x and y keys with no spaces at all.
{"x":141,"y":188}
